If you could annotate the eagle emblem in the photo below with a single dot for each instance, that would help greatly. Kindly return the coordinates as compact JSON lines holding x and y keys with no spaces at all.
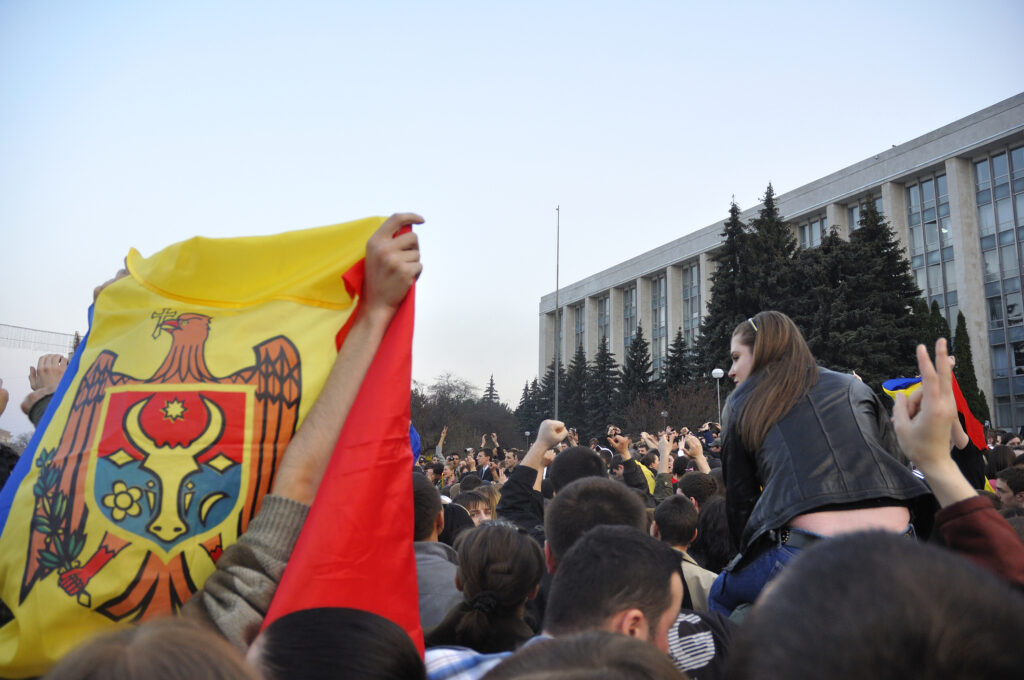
{"x":166,"y":461}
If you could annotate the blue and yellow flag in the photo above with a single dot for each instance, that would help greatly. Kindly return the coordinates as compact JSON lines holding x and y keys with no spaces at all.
{"x":166,"y":430}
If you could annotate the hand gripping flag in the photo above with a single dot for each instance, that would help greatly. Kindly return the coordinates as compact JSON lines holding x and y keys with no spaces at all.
{"x":165,"y":431}
{"x":355,"y":551}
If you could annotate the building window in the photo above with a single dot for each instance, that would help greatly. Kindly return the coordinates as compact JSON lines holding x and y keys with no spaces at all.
{"x":691,"y":303}
{"x":579,"y":323}
{"x":812,"y":233}
{"x":659,"y":323}
{"x":999,"y":190}
{"x":628,"y":315}
{"x":931,"y":251}
{"x":602,"y":318}
{"x":853,"y":212}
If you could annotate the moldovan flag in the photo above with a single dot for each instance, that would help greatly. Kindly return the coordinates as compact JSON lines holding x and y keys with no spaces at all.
{"x":355,"y":549}
{"x":974,"y":429}
{"x":163,"y":437}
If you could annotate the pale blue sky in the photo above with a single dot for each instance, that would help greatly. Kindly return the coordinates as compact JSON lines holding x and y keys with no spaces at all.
{"x":139,"y":124}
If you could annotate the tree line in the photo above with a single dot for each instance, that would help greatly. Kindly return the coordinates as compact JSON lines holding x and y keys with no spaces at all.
{"x":856,"y":302}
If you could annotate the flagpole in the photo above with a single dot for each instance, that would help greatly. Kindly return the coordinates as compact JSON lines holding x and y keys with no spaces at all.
{"x":558,"y":312}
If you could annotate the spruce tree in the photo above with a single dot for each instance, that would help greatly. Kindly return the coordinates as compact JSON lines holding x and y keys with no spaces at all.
{"x":881,"y":319}
{"x":490,"y":393}
{"x":538,"y":410}
{"x":728,"y":305}
{"x":574,"y":403}
{"x":769,"y":253}
{"x":525,"y":411}
{"x":824,"y":313}
{"x":940,"y":327}
{"x":546,"y":398}
{"x":680,"y":363}
{"x":965,"y":374}
{"x":602,"y":390}
{"x":636,"y":370}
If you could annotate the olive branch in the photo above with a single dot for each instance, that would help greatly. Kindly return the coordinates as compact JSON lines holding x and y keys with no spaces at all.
{"x":61,"y":547}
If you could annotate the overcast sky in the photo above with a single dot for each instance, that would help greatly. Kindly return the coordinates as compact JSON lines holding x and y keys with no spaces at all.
{"x":139,"y":124}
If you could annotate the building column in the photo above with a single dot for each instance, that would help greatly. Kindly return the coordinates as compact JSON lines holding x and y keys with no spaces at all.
{"x":706,"y":266}
{"x":963,"y":212}
{"x":615,"y":311}
{"x":547,"y":342}
{"x":894,"y":204}
{"x":835,"y":214}
{"x":568,"y":347}
{"x":590,"y":328}
{"x":674,"y":295}
{"x":643,"y":305}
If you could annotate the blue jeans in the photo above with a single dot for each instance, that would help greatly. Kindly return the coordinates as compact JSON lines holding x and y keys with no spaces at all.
{"x":733,"y":588}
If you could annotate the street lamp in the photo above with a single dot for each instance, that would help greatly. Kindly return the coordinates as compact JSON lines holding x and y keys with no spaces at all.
{"x":664,"y":420}
{"x":718,"y":374}
{"x":527,"y":433}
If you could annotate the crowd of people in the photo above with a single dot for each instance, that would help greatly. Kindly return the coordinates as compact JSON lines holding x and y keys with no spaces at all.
{"x":811,"y":533}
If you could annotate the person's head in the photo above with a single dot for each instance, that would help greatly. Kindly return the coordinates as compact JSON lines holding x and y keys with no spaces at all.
{"x":618,"y":579}
{"x":651,"y":459}
{"x":168,"y":649}
{"x":585,"y":504}
{"x":434,"y":472}
{"x":998,"y":458}
{"x":448,"y":473}
{"x":698,"y":486}
{"x":500,"y":568}
{"x":456,"y":520}
{"x":478,"y":507}
{"x":1010,"y":487}
{"x":876,"y":605}
{"x":675,"y":521}
{"x":641,"y":449}
{"x":483,"y":457}
{"x":428,"y":520}
{"x":714,"y":546}
{"x":615,"y":466}
{"x":471,"y":482}
{"x":1013,"y":442}
{"x":493,"y":495}
{"x":335,"y":642}
{"x":574,"y":463}
{"x":679,"y":466}
{"x":771,"y":345}
{"x":511,"y":459}
{"x":594,"y":655}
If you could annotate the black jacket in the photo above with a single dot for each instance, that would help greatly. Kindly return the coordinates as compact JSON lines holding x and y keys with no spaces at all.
{"x":835,"y":447}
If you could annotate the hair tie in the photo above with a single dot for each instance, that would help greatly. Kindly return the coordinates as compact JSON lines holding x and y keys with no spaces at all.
{"x":485,"y":602}
{"x":754,"y":325}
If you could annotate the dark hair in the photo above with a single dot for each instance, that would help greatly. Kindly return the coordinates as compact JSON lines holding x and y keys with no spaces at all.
{"x":896,"y":608}
{"x":426,"y":501}
{"x":679,"y":466}
{"x":714,"y":546}
{"x":608,"y":570}
{"x":167,"y":649}
{"x":650,"y":458}
{"x":471,"y":481}
{"x":677,"y":520}
{"x":999,"y":458}
{"x":616,"y":461}
{"x":574,"y":463}
{"x":436,"y":468}
{"x":594,"y":655}
{"x":585,"y":504}
{"x":456,"y":520}
{"x":337,"y":642}
{"x":486,"y":452}
{"x":787,"y":368}
{"x":1014,"y":478}
{"x":499,"y":568}
{"x":468,"y":499}
{"x":699,"y":486}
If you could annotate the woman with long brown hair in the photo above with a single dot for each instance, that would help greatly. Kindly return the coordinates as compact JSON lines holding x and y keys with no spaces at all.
{"x":807,"y":453}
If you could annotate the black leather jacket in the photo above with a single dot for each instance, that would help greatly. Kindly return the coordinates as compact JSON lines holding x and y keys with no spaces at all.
{"x":835,"y":447}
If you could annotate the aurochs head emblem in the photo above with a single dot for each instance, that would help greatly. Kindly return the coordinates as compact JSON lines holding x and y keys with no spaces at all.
{"x":169,"y":464}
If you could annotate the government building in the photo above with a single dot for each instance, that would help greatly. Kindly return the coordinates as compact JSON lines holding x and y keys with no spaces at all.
{"x":955,"y":198}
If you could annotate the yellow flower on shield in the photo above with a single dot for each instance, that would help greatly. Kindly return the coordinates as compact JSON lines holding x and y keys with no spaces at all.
{"x":123,"y":501}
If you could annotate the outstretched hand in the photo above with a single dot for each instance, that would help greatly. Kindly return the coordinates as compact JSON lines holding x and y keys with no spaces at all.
{"x":922,"y":422}
{"x":4,"y":396}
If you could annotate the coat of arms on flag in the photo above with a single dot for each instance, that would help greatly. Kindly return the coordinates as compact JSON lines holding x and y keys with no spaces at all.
{"x":166,"y":431}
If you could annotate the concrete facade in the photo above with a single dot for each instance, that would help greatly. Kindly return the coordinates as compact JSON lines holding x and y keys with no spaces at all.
{"x":966,"y":246}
